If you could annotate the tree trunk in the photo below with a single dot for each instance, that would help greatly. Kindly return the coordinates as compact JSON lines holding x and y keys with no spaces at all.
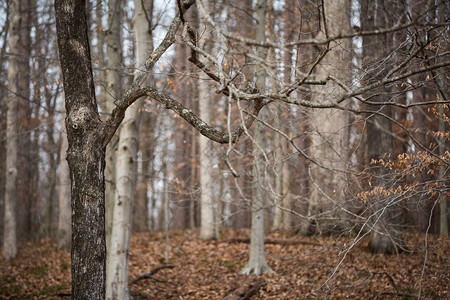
{"x":99,"y":57}
{"x":384,"y":236}
{"x":18,"y":86}
{"x":329,"y":143}
{"x":64,"y":210}
{"x":118,"y":254}
{"x":144,"y":44}
{"x":206,"y":162}
{"x":27,"y":178}
{"x":3,"y":120}
{"x":114,"y":85}
{"x":257,"y":261}
{"x":86,"y":152}
{"x":183,"y":144}
{"x":443,"y":13}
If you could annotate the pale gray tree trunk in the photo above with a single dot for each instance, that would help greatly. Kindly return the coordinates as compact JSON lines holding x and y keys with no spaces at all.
{"x":278,"y":197}
{"x":64,"y":210}
{"x":118,"y":254}
{"x":206,"y":162}
{"x":113,"y":82}
{"x":257,"y":261}
{"x":220,"y":195}
{"x":329,"y":142}
{"x":17,"y":25}
{"x":143,"y":27}
{"x":100,"y":58}
{"x":9,"y":239}
{"x":287,"y":199}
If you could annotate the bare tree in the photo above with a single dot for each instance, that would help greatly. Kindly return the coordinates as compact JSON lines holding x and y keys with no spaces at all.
{"x":88,"y":136}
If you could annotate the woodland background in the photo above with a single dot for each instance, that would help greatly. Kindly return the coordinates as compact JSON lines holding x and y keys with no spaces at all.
{"x":349,"y":153}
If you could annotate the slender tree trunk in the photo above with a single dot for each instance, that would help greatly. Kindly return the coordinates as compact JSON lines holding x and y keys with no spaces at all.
{"x":27,"y":195}
{"x":279,"y":166}
{"x":443,"y":12}
{"x":183,"y":144}
{"x":114,"y":85}
{"x":3,"y":118}
{"x":100,"y":59}
{"x":18,"y":86}
{"x":143,"y":25}
{"x":257,"y":261}
{"x":384,"y":237}
{"x":206,"y":162}
{"x":9,"y":239}
{"x":220,"y":195}
{"x":287,"y":202}
{"x":118,"y":254}
{"x":64,"y":210}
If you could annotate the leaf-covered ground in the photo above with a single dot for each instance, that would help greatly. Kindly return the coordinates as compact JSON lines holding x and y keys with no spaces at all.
{"x":306,"y":267}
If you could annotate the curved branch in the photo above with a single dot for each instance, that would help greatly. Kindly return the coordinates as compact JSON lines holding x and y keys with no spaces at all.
{"x":206,"y":130}
{"x":118,"y":113}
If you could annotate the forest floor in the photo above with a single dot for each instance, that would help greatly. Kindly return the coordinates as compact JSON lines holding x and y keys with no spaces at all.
{"x":305,"y":267}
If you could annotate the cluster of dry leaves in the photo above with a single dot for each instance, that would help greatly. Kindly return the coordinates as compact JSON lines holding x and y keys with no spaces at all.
{"x":306,"y":267}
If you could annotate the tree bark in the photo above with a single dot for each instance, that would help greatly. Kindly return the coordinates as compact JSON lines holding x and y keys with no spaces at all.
{"x":18,"y":86}
{"x":64,"y":210}
{"x":384,"y":237}
{"x":257,"y":261}
{"x":118,"y":254}
{"x":144,"y":44}
{"x":114,"y":92}
{"x":206,"y":163}
{"x":86,"y":152}
{"x":183,"y":143}
{"x":27,"y":178}
{"x":329,"y":143}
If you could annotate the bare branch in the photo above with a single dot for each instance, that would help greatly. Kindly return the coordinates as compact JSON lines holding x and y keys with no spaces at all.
{"x":111,"y":125}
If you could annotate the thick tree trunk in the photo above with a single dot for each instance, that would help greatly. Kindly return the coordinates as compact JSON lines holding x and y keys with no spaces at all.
{"x":329,"y":141}
{"x":86,"y":152}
